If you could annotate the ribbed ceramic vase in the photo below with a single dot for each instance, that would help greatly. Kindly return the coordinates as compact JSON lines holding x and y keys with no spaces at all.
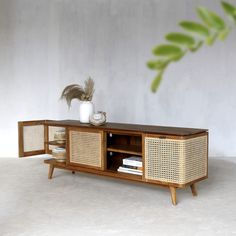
{"x":86,"y":109}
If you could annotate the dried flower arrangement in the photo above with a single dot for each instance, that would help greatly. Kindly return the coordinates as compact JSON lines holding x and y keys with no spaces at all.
{"x":75,"y":91}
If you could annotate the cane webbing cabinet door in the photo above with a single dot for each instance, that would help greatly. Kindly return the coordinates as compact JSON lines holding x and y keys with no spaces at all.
{"x":176,"y":161}
{"x":86,"y":148}
{"x":31,"y":138}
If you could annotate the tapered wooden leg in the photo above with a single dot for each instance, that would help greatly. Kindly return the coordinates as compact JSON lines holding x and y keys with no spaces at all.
{"x":50,"y":172}
{"x":193,"y":189}
{"x":73,"y":172}
{"x":173,"y":195}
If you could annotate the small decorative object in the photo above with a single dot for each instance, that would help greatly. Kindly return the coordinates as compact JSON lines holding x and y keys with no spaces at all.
{"x":98,"y":118}
{"x":60,"y":136}
{"x":59,"y":154}
{"x":85,"y":95}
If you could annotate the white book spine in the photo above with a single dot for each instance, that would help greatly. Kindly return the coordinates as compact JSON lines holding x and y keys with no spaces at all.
{"x":133,"y":170}
{"x":132,"y":163}
{"x":129,"y":172}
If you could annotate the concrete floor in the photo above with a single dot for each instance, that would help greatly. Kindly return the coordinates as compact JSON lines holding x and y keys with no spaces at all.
{"x":84,"y":204}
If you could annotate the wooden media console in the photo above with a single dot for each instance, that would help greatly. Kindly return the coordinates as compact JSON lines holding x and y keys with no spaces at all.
{"x":168,"y":156}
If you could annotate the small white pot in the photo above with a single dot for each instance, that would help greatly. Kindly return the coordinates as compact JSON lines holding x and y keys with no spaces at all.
{"x":86,"y":109}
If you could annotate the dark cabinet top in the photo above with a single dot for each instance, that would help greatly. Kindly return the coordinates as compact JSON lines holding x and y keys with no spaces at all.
{"x":151,"y":129}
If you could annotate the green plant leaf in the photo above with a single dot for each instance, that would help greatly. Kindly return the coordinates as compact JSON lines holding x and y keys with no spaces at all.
{"x":196,"y":47}
{"x":223,"y":34}
{"x":214,"y":27}
{"x":230,"y":10}
{"x":151,"y":65}
{"x":167,"y":50}
{"x":176,"y":57}
{"x":194,"y":27}
{"x":158,"y":65}
{"x":156,"y":82}
{"x":210,"y":18}
{"x":180,"y":38}
{"x":211,"y":39}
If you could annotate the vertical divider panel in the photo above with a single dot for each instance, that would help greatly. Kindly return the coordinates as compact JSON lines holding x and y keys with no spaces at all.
{"x":46,"y":139}
{"x":20,"y":139}
{"x":67,"y":146}
{"x":103,"y":150}
{"x":143,"y":156}
{"x":104,"y":154}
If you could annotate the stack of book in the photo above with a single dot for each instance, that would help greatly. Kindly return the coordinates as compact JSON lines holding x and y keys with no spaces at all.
{"x":132,"y":165}
{"x":59,"y":154}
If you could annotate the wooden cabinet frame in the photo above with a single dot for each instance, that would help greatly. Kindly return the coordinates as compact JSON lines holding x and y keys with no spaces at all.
{"x":125,"y":140}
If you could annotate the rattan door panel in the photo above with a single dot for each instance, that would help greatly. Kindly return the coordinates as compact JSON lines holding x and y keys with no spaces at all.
{"x":33,"y":138}
{"x":85,"y":148}
{"x":175,"y":160}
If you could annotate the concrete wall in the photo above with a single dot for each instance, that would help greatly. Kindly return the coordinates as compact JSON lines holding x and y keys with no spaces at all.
{"x":48,"y":44}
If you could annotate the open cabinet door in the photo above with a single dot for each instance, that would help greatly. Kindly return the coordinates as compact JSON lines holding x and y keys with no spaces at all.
{"x":32,"y":135}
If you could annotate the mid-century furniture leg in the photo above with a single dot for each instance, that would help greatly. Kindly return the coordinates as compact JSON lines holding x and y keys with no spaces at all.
{"x":173,"y":195}
{"x":50,"y":172}
{"x":193,"y":189}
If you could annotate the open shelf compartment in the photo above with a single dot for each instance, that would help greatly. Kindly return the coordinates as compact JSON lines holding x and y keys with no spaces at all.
{"x":55,"y":143}
{"x":125,"y":143}
{"x":115,"y":160}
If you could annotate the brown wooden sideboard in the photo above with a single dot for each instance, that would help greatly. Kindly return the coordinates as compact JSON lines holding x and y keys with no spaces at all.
{"x":172,"y":157}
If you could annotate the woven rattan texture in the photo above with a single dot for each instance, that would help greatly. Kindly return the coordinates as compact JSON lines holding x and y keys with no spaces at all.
{"x":85,"y":148}
{"x":33,"y":138}
{"x":175,"y":161}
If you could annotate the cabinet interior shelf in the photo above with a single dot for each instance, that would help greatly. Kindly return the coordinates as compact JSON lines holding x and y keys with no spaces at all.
{"x":129,"y":149}
{"x":55,"y":143}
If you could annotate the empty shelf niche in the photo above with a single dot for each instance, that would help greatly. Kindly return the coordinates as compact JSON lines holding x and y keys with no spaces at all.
{"x":124,"y":143}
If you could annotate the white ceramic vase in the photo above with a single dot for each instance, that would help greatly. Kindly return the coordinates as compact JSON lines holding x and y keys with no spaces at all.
{"x":86,"y":109}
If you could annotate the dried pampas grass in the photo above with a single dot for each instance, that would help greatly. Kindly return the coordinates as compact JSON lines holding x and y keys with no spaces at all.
{"x":75,"y":91}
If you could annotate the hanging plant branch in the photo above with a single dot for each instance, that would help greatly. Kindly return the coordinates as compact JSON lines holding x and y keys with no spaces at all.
{"x":211,"y":28}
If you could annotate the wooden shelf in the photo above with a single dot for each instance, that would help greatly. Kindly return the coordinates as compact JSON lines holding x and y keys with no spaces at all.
{"x":55,"y":143}
{"x":129,"y":149}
